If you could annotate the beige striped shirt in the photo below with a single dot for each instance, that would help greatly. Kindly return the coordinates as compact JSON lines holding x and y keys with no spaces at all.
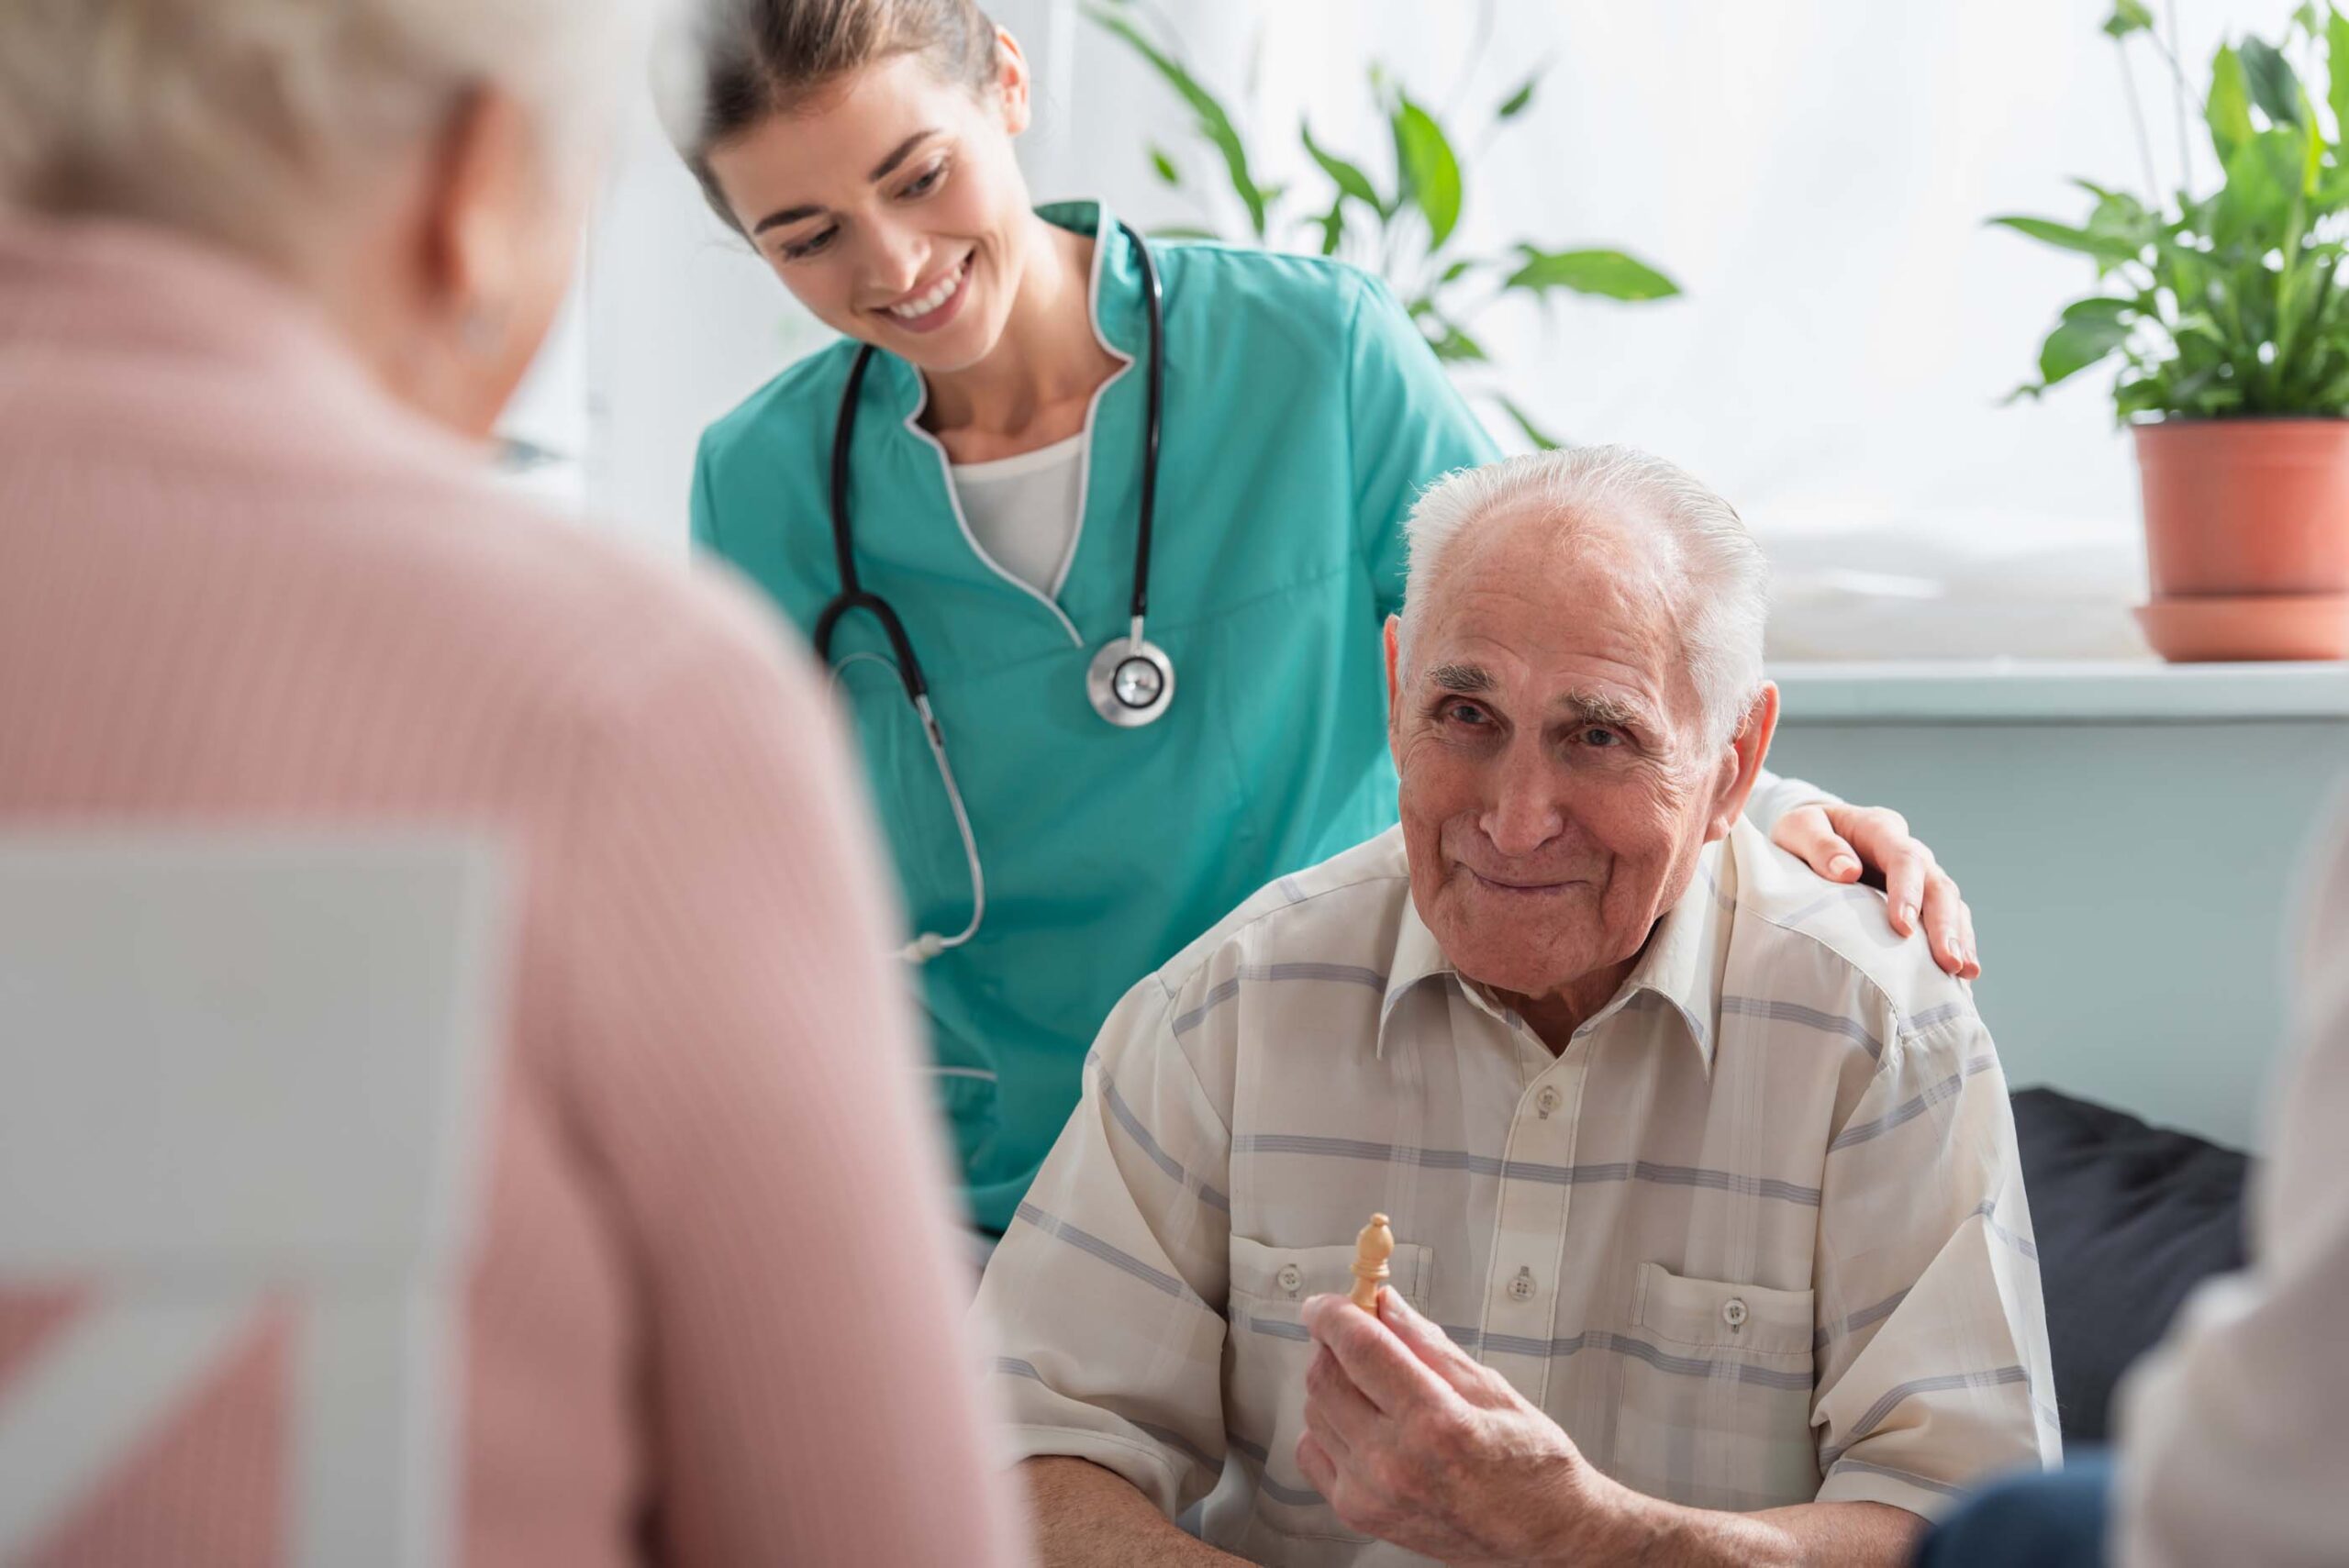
{"x":1757,"y":1237}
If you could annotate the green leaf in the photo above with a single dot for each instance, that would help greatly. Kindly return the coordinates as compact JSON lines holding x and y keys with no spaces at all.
{"x":2263,"y":182}
{"x":2229,"y":109}
{"x":1611,"y":273}
{"x":1350,"y":179}
{"x":1542,"y":440}
{"x":1431,"y":172}
{"x":2272,"y":86}
{"x":2336,"y":62}
{"x":1164,"y":165}
{"x":2089,"y":331}
{"x":1214,"y":123}
{"x":2104,"y":247}
{"x":1457,"y":271}
{"x":2128,"y":16}
{"x":1515,"y":104}
{"x":1334,"y":226}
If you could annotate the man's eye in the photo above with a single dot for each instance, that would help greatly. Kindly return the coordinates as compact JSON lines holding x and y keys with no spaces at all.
{"x":1466,"y":713}
{"x":1601,"y":738}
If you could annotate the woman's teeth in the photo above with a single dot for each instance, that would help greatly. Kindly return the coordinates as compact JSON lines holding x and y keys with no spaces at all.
{"x":938,"y":295}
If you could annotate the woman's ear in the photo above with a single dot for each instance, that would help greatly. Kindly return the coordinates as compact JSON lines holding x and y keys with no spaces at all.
{"x":1012,"y":83}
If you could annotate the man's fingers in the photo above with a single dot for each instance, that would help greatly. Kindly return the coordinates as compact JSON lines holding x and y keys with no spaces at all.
{"x":1807,"y":832}
{"x":1314,"y":1460}
{"x":1427,"y":1341}
{"x":1335,"y":1410}
{"x":1382,"y":1366}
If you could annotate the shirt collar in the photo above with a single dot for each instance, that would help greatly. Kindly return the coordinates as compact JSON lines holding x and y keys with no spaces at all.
{"x":1115,"y":298}
{"x":1680,"y":967}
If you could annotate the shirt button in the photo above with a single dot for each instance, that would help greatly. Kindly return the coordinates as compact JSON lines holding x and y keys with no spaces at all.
{"x":1733,"y":1312}
{"x":1290,"y":1278}
{"x":1522,"y":1287}
{"x":1547,"y":1100}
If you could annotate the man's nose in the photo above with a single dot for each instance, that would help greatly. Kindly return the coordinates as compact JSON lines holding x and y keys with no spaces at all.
{"x":1523,"y":814}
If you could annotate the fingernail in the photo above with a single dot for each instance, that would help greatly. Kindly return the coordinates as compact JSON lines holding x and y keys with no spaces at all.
{"x":1908,"y":915}
{"x":1843,"y":866}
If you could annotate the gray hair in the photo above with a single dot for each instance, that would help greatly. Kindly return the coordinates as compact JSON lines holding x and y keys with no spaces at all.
{"x":237,"y":117}
{"x":1724,"y":578}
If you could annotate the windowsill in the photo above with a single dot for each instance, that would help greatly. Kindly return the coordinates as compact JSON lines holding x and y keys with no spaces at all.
{"x":2006,"y":691}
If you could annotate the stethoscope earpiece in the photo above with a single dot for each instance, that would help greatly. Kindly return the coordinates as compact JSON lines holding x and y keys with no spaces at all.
{"x":1130,"y":681}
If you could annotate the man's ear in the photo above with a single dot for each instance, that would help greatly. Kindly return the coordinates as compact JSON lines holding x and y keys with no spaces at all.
{"x":1394,"y":680}
{"x":1012,"y":83}
{"x":1740,"y":768}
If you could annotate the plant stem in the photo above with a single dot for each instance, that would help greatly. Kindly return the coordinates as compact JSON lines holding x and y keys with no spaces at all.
{"x":2137,"y":120}
{"x":2177,"y":99}
{"x":1480,"y":39}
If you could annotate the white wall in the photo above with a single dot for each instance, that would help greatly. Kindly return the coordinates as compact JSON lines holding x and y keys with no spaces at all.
{"x":1815,"y":172}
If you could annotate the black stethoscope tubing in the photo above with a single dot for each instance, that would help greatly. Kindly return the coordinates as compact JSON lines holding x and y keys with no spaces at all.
{"x":854,"y":595}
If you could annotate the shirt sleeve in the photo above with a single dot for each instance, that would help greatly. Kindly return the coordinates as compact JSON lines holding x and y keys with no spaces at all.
{"x":1408,"y":425}
{"x":1933,"y":1369}
{"x":705,"y":505}
{"x":2232,"y":1443}
{"x":1103,"y":1307}
{"x":738,"y":1069}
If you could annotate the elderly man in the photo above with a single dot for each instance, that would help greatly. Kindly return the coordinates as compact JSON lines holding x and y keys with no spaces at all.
{"x":1712,"y":1244}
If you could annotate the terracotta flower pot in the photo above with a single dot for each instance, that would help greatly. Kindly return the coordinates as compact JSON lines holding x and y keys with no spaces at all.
{"x":2246,"y":527}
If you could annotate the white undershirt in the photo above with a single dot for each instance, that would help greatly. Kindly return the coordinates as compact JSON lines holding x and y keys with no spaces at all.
{"x":1023,"y":510}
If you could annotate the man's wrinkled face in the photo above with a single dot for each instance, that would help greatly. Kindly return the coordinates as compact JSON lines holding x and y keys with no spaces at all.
{"x":1557,"y":783}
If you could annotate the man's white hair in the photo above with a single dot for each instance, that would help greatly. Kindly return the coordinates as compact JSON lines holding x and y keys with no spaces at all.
{"x":240,"y":118}
{"x":1722,"y":578}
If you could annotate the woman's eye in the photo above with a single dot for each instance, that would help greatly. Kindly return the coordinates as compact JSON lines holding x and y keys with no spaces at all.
{"x":927,"y":183}
{"x":802,"y":248}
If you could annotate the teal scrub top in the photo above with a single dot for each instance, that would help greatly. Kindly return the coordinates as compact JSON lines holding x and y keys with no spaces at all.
{"x":1304,"y":413}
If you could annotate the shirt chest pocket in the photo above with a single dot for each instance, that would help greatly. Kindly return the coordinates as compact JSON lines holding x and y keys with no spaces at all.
{"x":1713,"y":1316}
{"x":1266,"y":1357}
{"x":1725,"y":1363}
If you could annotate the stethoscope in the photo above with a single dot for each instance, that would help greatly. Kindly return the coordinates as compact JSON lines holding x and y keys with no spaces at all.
{"x":1130,"y":681}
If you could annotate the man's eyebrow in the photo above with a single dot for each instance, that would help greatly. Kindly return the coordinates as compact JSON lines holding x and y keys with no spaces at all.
{"x":880,"y":172}
{"x":1596,"y":708}
{"x":1472,"y":678}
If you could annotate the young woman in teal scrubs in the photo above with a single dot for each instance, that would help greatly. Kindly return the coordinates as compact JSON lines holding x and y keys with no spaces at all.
{"x":993,"y":473}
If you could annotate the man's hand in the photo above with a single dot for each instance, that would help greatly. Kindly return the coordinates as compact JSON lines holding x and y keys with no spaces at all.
{"x":1412,"y":1440}
{"x":1845,"y":843}
{"x":1415,"y":1443}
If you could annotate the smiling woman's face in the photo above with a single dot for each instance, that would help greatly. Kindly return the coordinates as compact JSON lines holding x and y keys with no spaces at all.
{"x":891,"y":206}
{"x":1556,"y":784}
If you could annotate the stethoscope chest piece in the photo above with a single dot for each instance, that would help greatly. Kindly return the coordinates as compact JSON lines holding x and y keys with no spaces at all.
{"x":1130,"y":682}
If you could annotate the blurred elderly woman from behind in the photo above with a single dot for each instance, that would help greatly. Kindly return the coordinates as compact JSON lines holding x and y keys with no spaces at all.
{"x":268,"y":271}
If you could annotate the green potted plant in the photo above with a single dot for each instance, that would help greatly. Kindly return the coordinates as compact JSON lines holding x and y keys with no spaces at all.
{"x":2224,"y":309}
{"x":1402,"y":229}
